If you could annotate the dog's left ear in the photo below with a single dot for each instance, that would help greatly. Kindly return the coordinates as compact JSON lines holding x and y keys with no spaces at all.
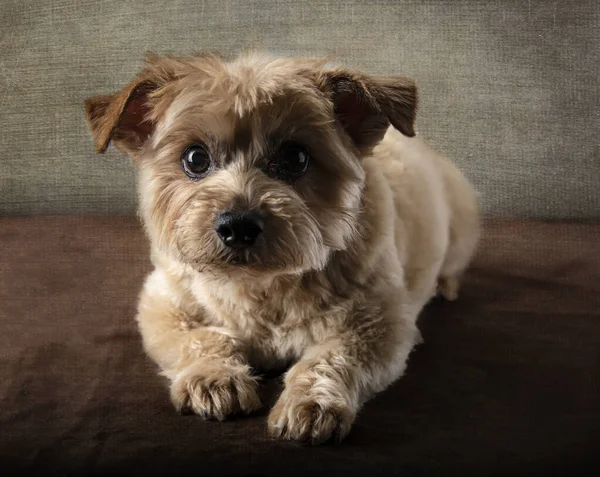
{"x":366,"y":105}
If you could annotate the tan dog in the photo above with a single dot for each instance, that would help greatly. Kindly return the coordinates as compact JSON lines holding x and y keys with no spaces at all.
{"x":289,"y":224}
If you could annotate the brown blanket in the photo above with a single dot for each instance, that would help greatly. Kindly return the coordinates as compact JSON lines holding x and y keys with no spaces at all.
{"x":507,"y":380}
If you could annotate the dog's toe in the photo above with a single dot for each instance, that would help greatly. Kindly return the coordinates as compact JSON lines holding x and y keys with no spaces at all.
{"x":215,"y":396}
{"x":304,"y":419}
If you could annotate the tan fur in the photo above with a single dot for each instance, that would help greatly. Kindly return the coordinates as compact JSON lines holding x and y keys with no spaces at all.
{"x":351,"y":251}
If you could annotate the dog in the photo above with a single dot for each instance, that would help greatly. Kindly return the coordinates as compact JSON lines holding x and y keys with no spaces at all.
{"x":295,"y":219}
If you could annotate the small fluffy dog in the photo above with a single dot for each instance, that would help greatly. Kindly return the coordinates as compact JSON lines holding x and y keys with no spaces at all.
{"x":290,"y":225}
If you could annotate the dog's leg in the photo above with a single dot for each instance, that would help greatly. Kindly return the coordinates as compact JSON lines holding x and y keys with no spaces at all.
{"x":209,"y":375}
{"x":448,"y":287}
{"x":325,"y":389}
{"x":464,"y":236}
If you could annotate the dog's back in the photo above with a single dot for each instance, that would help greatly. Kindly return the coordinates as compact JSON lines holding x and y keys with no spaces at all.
{"x":437,"y":224}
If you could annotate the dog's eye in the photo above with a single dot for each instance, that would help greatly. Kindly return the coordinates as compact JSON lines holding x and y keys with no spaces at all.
{"x":196,"y":161}
{"x":291,"y":162}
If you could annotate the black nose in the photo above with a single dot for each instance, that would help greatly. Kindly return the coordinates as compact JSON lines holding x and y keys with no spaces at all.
{"x":239,"y":229}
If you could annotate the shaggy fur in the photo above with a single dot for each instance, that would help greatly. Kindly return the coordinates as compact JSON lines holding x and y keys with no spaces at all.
{"x":350,"y":252}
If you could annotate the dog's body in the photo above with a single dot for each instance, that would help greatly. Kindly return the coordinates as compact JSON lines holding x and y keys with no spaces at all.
{"x":346,"y":256}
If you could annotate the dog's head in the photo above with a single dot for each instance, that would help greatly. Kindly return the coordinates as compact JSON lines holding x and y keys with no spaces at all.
{"x":254,"y":165}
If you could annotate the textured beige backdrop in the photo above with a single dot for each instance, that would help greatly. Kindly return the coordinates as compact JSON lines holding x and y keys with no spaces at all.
{"x":509,"y":88}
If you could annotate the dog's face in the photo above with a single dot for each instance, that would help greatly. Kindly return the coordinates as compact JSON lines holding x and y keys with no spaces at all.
{"x":252,"y":166}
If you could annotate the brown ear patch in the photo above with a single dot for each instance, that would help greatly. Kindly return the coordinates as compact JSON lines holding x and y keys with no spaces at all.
{"x":357,"y":111}
{"x":95,"y":111}
{"x":122,"y":117}
{"x":366,"y":105}
{"x":397,"y":98}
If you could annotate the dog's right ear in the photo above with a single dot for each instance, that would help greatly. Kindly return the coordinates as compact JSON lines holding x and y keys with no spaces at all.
{"x":125,"y":116}
{"x":122,"y":117}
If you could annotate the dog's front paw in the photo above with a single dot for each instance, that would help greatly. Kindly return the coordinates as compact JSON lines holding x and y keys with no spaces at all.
{"x":215,"y":390}
{"x":306,"y":417}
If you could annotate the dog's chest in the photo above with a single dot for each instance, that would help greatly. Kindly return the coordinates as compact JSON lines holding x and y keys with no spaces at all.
{"x":275,"y":329}
{"x":273,"y":333}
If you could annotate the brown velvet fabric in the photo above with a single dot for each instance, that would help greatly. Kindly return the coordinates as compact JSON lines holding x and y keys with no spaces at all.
{"x":506,"y":382}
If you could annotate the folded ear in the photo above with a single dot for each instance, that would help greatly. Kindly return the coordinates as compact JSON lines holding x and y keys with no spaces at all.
{"x":125,"y":116}
{"x":122,"y":117}
{"x":366,"y":105}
